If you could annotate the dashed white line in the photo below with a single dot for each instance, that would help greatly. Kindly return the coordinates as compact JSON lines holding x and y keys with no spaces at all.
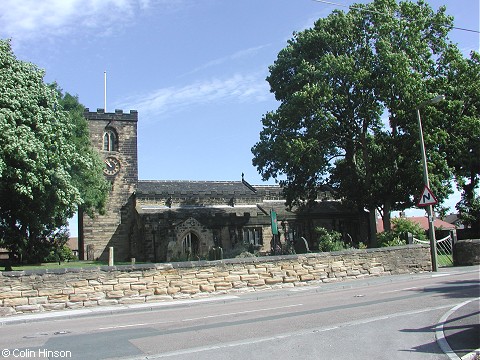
{"x":198,"y":318}
{"x":190,"y":351}
{"x":440,"y":275}
{"x":243,"y":312}
{"x":404,"y":289}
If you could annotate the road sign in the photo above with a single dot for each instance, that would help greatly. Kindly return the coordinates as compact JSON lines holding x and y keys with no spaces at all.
{"x":427,"y":198}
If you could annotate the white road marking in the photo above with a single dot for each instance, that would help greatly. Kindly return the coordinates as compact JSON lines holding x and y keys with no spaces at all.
{"x":243,"y":312}
{"x":198,"y":318}
{"x":404,"y":289}
{"x":134,"y":325}
{"x":440,"y":275}
{"x":440,"y":335}
{"x":284,"y":336}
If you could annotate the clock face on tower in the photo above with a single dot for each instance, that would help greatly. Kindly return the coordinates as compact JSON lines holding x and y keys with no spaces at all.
{"x":112,"y":166}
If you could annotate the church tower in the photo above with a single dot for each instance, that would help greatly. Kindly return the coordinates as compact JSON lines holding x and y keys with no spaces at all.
{"x":114,"y":135}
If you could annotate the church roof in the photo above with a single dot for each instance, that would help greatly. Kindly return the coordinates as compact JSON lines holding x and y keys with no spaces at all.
{"x":239,"y":197}
{"x":170,"y":187}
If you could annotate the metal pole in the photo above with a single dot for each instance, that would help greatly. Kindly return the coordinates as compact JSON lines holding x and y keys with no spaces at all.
{"x":431,"y":230}
{"x":105,"y":90}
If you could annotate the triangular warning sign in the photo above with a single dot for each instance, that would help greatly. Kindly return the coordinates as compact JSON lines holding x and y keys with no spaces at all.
{"x":427,"y":198}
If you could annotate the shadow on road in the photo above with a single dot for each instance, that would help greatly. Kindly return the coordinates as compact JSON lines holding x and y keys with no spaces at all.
{"x":462,"y":328}
{"x":464,"y":289}
{"x":429,"y":348}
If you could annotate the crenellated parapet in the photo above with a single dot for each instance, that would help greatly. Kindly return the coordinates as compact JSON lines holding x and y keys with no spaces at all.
{"x":118,"y":115}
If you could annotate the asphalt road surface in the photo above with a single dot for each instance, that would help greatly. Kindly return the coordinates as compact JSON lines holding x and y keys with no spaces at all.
{"x":394,"y":317}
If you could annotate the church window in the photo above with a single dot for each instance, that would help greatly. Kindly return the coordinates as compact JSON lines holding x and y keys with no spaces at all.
{"x":252,"y":236}
{"x":110,"y":140}
{"x":190,"y":244}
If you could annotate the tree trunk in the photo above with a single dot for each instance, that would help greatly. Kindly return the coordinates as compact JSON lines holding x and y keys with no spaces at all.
{"x":387,"y":208}
{"x":469,"y":195}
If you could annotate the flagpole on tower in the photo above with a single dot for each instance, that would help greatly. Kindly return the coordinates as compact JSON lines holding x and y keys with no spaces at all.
{"x":105,"y":90}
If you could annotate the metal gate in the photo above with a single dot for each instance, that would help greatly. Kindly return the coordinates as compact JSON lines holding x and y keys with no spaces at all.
{"x":444,"y":250}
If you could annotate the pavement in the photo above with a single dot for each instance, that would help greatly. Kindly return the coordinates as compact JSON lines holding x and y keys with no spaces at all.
{"x":457,"y":332}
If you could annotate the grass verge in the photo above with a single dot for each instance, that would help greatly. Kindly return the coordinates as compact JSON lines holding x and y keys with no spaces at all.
{"x":64,"y":265}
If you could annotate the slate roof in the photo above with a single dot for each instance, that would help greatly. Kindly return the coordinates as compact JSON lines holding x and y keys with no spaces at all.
{"x":170,"y":187}
{"x":256,"y":198}
{"x":451,"y":218}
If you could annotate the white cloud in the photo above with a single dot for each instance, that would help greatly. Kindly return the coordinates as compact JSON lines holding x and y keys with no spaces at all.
{"x":237,"y":88}
{"x":31,"y":19}
{"x":239,"y":55}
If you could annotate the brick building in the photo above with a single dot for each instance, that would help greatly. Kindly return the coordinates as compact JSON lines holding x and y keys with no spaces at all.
{"x":184,"y":220}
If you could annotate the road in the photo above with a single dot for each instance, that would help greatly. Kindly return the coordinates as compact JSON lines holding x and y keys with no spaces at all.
{"x":394,"y":317}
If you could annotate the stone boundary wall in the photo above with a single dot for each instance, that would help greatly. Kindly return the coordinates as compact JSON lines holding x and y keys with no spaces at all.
{"x":466,"y":252}
{"x":47,"y":290}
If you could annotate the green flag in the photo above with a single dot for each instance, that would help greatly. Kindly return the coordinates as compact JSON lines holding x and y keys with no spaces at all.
{"x":273,"y":215}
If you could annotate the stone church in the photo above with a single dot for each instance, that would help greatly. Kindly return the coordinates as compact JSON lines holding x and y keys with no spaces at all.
{"x":162,"y":221}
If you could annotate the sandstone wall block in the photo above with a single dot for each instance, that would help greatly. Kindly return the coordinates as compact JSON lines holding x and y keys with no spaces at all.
{"x":74,"y":305}
{"x":37,"y":300}
{"x":28,"y":308}
{"x":273,"y":280}
{"x":10,"y":294}
{"x":115,"y":294}
{"x":158,"y":298}
{"x":54,"y":306}
{"x":13,"y":302}
{"x":49,"y":292}
{"x":161,"y":291}
{"x":207,"y":288}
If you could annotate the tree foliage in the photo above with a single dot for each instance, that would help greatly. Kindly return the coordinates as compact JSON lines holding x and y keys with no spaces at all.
{"x":348,"y":89}
{"x":41,"y":158}
{"x":86,"y":169}
{"x":462,"y":131}
{"x":329,"y":240}
{"x":398,"y":234}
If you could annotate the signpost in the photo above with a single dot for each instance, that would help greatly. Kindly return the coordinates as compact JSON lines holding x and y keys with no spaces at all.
{"x":427,"y":197}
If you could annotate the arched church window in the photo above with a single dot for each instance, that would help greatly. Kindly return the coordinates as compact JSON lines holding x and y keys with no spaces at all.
{"x":110,"y":140}
{"x":190,"y":244}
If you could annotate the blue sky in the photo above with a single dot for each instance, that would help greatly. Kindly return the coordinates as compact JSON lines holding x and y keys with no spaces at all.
{"x":194,"y":70}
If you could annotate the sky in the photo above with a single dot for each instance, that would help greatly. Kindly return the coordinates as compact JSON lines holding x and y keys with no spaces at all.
{"x":194,"y":70}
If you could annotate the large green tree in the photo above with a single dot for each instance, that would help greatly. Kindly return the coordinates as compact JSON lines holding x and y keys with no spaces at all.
{"x":337,"y":83}
{"x":462,"y":131}
{"x":41,"y":159}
